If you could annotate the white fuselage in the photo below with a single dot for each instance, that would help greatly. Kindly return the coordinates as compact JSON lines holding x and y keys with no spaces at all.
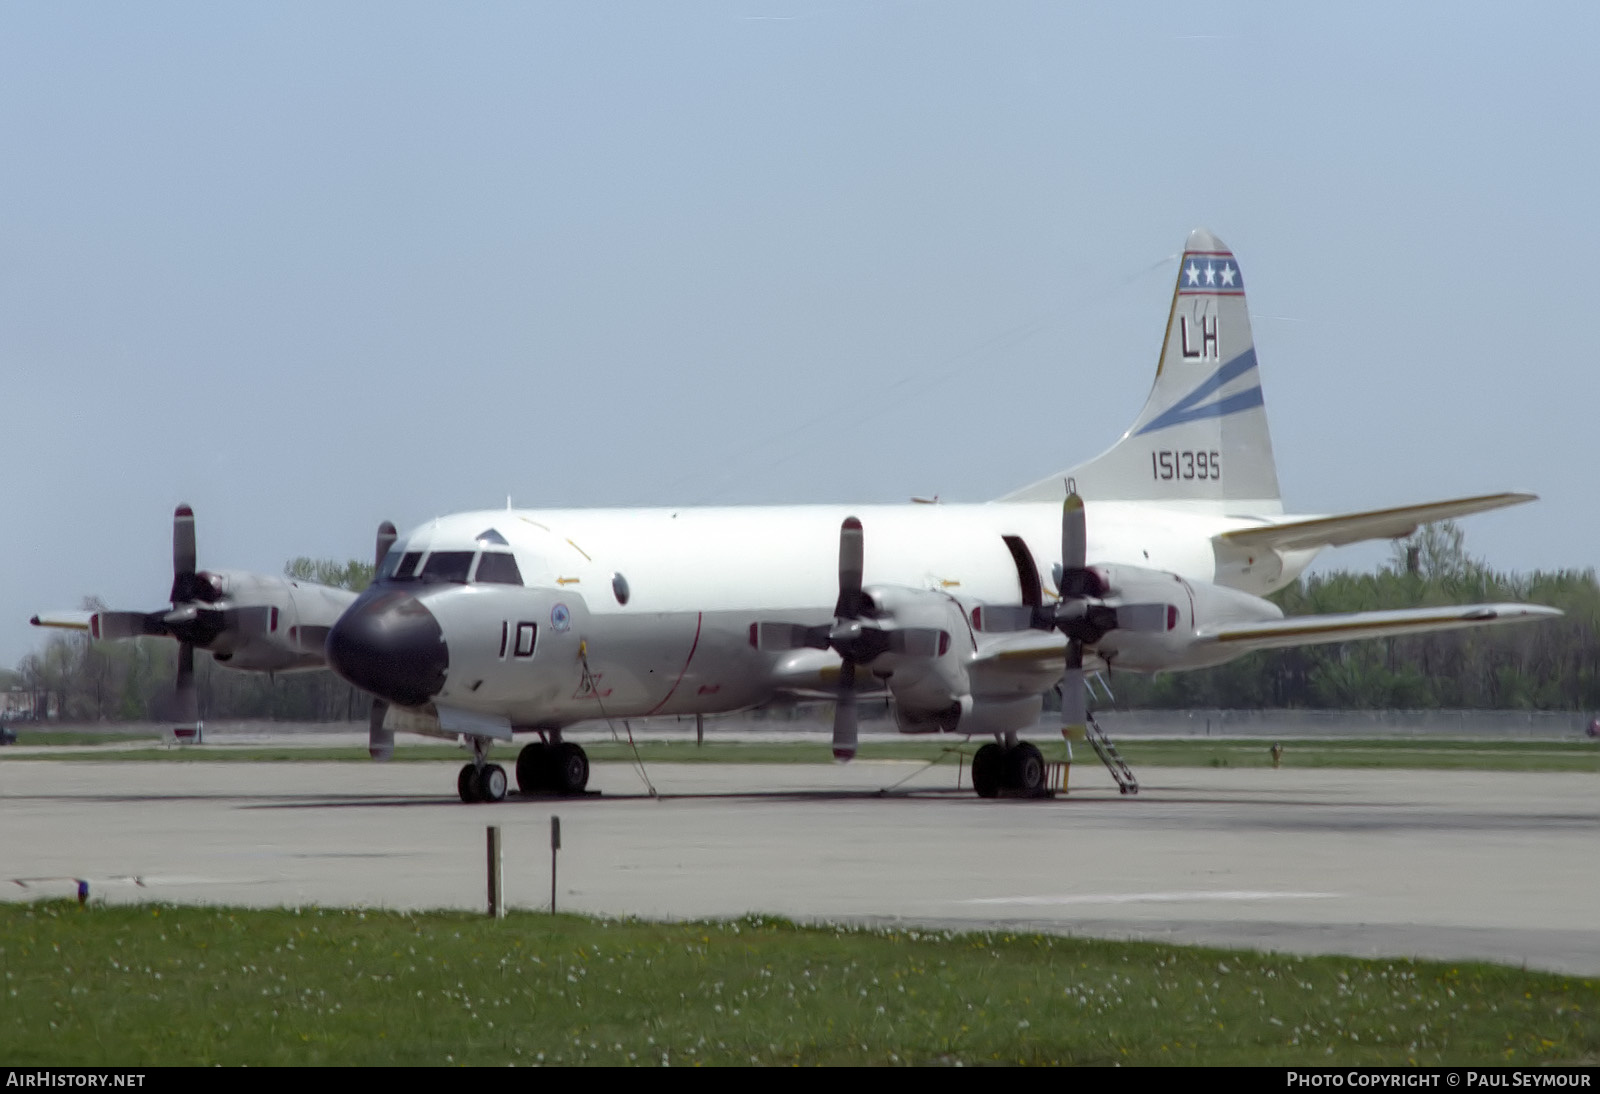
{"x":648,"y":611}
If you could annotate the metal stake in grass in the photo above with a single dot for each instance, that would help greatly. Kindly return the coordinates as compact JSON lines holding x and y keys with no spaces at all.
{"x":497,"y":907}
{"x":555,"y":845}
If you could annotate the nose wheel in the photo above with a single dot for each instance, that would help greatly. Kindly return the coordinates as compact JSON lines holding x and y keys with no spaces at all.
{"x":482,"y":784}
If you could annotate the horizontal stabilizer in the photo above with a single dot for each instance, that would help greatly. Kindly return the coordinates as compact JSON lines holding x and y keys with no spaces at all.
{"x":73,"y":621}
{"x":1310,"y":630}
{"x":1299,"y":535}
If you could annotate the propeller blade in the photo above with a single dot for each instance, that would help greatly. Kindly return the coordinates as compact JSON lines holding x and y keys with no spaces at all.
{"x":788,"y":636}
{"x":1002,"y":618}
{"x":1145,"y":617}
{"x":1074,"y":536}
{"x":312,"y":640}
{"x":251,"y":622}
{"x":185,"y":703}
{"x":183,"y":554}
{"x":109,"y":625}
{"x":386,"y":537}
{"x":919,"y":641}
{"x":380,"y":741}
{"x":1074,"y":702}
{"x":844,"y":715}
{"x":852,"y":554}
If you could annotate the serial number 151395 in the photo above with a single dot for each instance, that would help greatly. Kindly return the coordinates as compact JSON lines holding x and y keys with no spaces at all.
{"x":1185,"y":465}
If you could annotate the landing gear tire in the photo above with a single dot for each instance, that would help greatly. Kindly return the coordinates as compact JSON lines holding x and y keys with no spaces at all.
{"x":988,"y":767}
{"x":1025,"y":768}
{"x":492,"y":783}
{"x":569,"y":768}
{"x":533,"y":768}
{"x":486,"y":784}
{"x":467,"y":784}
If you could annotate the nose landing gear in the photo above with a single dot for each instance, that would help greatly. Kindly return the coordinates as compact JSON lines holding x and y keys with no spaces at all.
{"x":482,"y":784}
{"x":480,"y":780}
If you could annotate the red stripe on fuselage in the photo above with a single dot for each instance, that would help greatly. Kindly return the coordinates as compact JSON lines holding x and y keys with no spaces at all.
{"x":698,"y":620}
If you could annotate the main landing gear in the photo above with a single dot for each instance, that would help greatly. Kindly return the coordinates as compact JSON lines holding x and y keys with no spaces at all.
{"x":552,"y":767}
{"x":1015,"y":768}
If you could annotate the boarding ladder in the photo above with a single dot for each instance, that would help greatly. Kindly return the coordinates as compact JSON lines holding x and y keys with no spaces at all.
{"x":1109,"y":756}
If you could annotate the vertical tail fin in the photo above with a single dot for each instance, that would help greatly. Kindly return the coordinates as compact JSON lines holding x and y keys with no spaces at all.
{"x":1202,"y":437}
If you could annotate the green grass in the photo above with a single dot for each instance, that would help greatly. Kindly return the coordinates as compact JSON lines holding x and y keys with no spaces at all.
{"x":140,"y":985}
{"x":71,"y":737}
{"x":1432,"y":753}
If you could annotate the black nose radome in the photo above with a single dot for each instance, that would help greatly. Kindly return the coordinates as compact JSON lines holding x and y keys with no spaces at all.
{"x":387,"y":643}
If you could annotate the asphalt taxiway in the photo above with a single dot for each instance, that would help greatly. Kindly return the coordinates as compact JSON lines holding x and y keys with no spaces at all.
{"x":1453,"y":865}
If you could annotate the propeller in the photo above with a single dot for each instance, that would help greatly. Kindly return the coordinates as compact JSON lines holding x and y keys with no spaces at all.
{"x":855,"y":635}
{"x":380,"y":741}
{"x":1084,"y":613}
{"x":200,"y":614}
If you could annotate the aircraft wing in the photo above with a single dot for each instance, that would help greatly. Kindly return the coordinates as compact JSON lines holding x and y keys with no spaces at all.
{"x":1310,"y":630}
{"x":1028,"y":661}
{"x":1337,"y":531}
{"x":74,"y":621}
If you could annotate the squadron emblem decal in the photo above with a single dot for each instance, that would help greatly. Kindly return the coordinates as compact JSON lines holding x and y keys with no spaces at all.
{"x":560,"y":618}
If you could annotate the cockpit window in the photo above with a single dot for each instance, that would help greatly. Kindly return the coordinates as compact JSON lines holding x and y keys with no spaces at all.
{"x":490,"y":535}
{"x":498,"y":568}
{"x":447,"y":566}
{"x":407,"y":569}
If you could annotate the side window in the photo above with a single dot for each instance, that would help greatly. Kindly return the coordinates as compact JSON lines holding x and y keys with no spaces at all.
{"x":526,"y":634}
{"x":407,"y":570}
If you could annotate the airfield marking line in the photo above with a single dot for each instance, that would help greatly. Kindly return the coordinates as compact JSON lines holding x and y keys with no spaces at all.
{"x":1150,"y":898}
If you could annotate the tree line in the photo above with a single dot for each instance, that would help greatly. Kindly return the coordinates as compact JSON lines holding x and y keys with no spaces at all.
{"x":1549,"y":665}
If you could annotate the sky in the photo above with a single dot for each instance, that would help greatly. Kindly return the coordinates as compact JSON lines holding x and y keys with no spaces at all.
{"x":310,"y":266}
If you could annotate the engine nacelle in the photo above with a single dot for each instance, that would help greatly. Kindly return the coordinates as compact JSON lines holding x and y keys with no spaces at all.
{"x":967,"y":715}
{"x":1197,"y":604}
{"x":932,"y":693}
{"x":920,"y":720}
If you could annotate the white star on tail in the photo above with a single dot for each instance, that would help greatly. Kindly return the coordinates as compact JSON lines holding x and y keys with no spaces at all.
{"x":1227,"y":275}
